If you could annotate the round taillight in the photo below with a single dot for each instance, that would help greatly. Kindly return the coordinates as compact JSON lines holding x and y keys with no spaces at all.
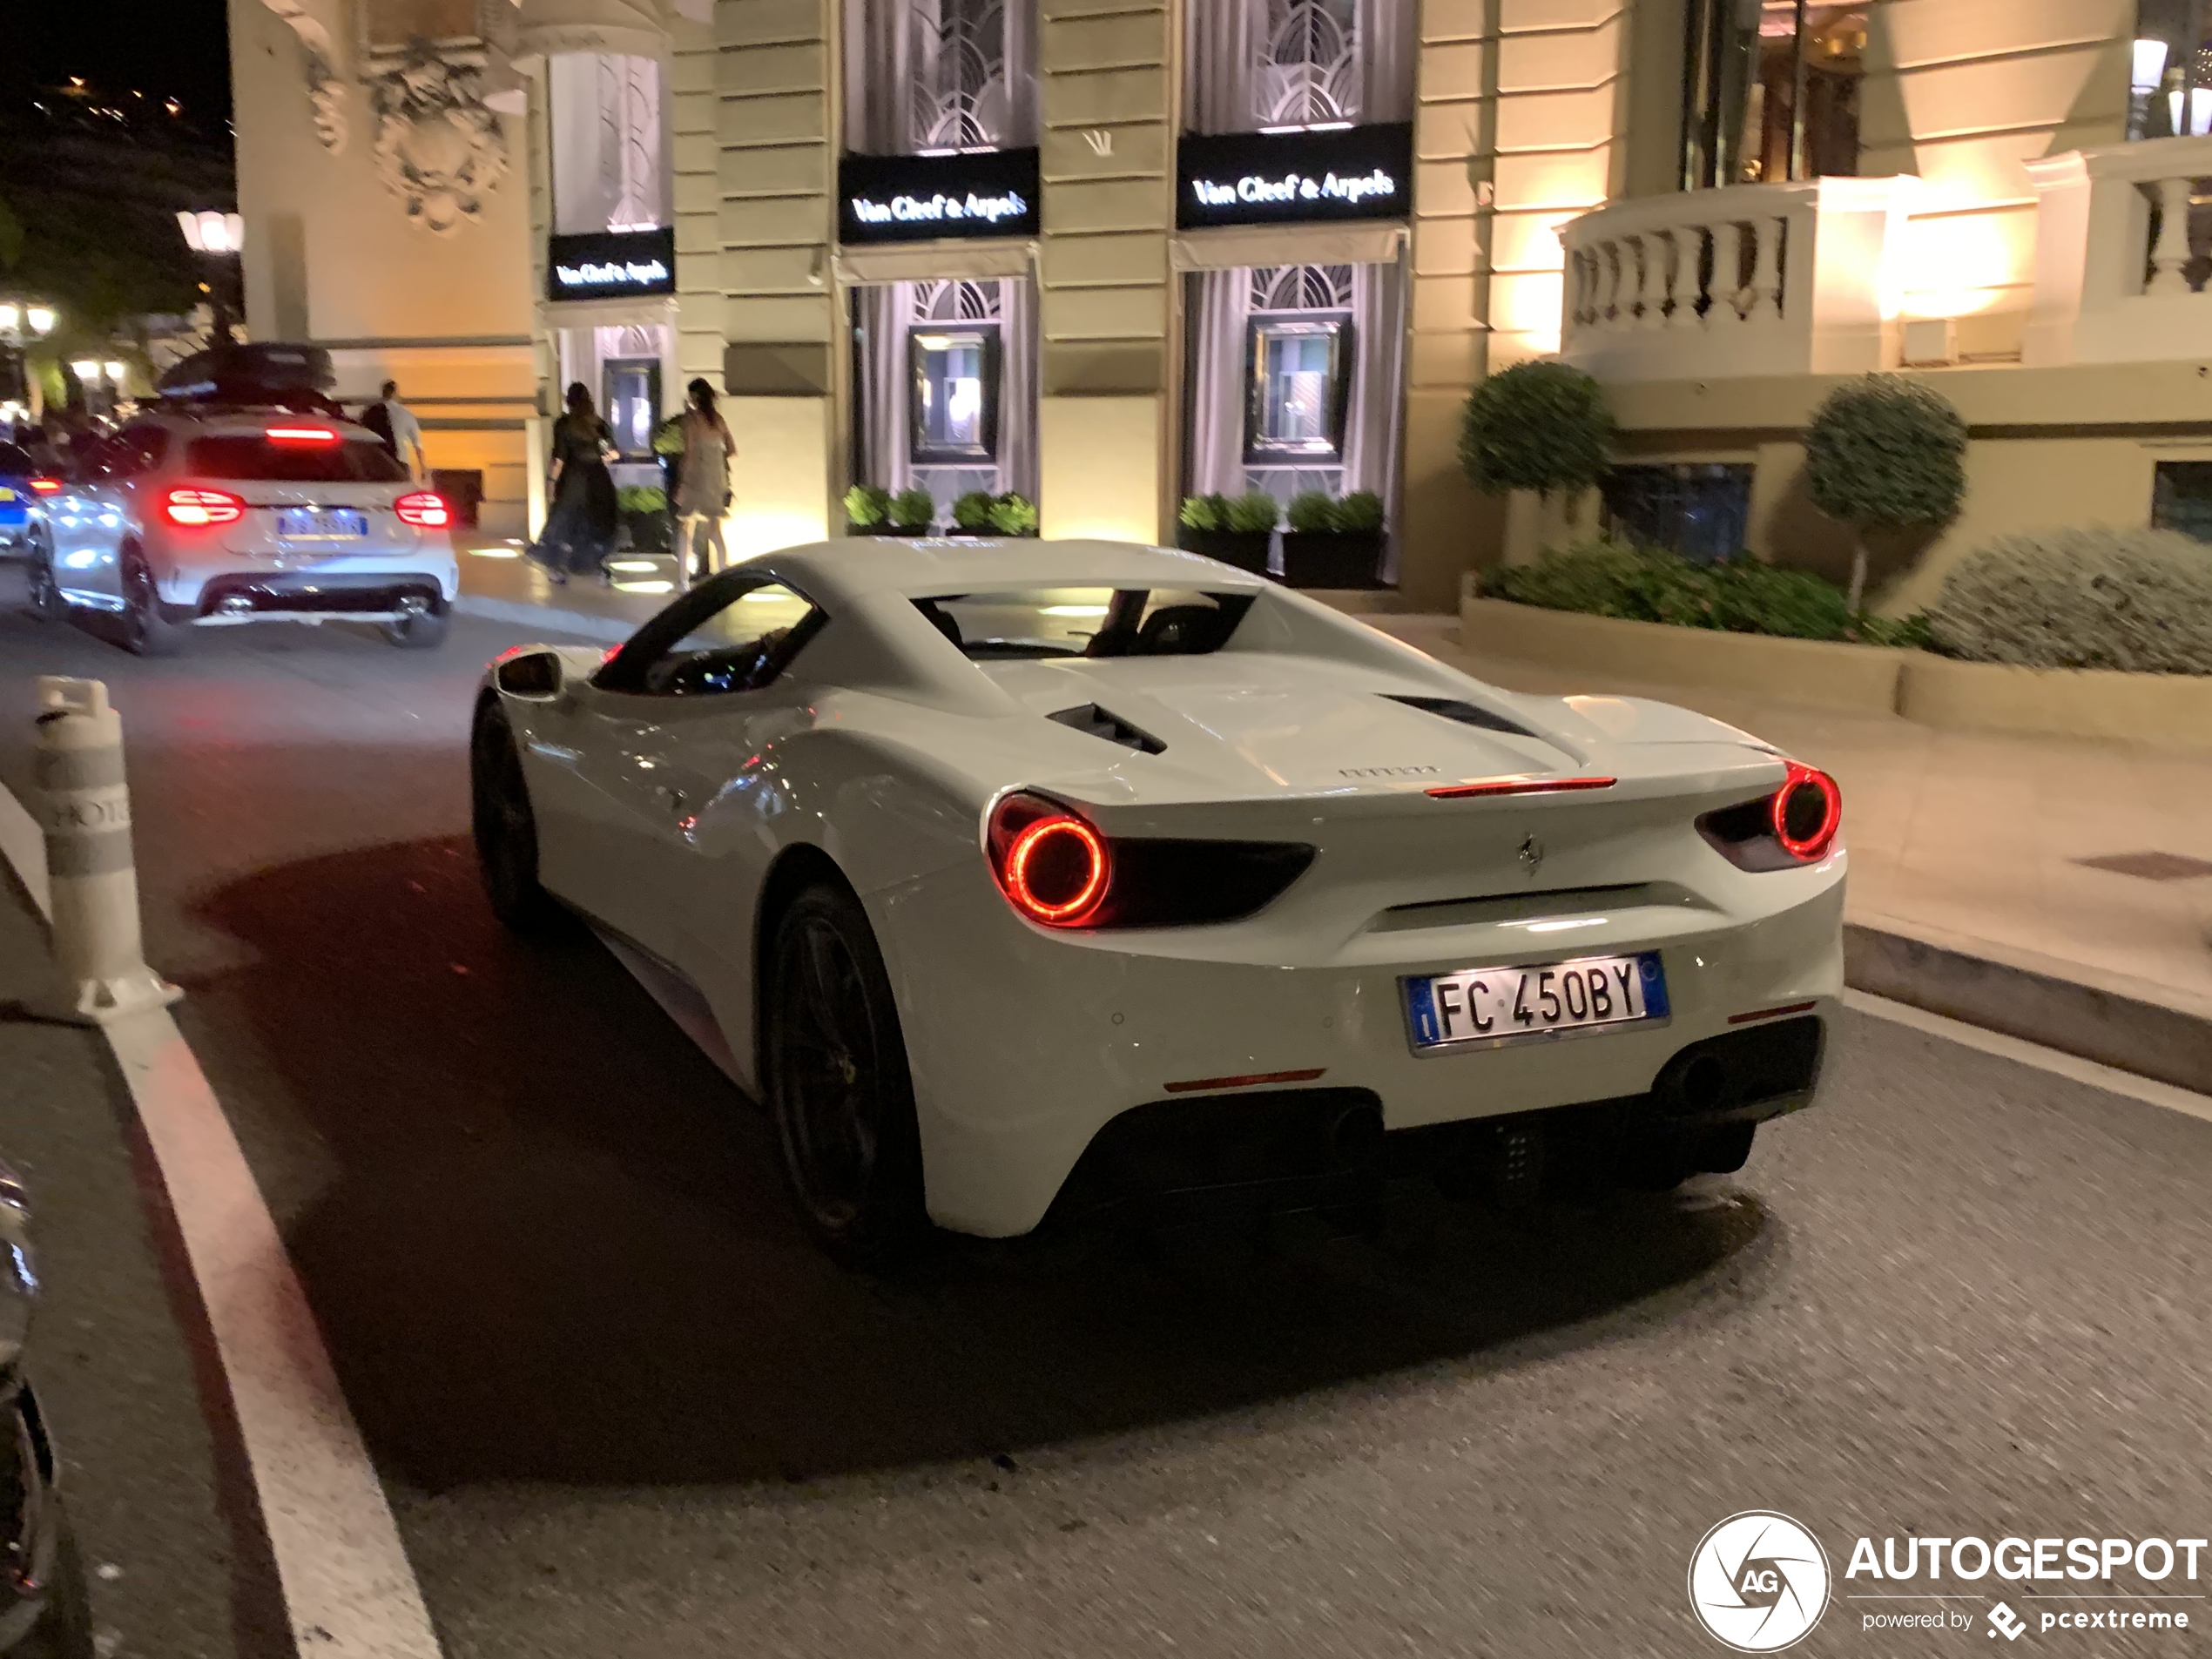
{"x":1807,"y":810}
{"x":1052,"y":865}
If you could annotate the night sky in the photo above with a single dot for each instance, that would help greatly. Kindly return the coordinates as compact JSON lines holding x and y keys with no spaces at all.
{"x":164,"y":48}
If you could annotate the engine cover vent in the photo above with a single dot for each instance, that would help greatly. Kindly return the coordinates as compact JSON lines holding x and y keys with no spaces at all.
{"x":1465,"y":713}
{"x":1095,"y":722}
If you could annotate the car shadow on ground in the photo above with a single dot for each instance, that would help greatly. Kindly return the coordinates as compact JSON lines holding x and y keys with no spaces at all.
{"x":555,"y":1246}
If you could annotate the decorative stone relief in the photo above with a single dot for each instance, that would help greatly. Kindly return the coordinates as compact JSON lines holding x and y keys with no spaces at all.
{"x":440,"y":147}
{"x":319,"y":64}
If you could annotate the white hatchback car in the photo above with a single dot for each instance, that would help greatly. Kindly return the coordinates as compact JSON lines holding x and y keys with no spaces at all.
{"x":1024,"y":875}
{"x":200,"y":519}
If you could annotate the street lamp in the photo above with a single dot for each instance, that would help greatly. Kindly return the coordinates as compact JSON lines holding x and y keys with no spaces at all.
{"x":217,"y":236}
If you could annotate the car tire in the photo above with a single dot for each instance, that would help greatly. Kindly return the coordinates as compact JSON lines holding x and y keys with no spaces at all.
{"x":837,"y":1081}
{"x":64,"y":1628}
{"x":505,"y":829}
{"x":419,"y":631}
{"x":48,"y":602}
{"x":146,"y":632}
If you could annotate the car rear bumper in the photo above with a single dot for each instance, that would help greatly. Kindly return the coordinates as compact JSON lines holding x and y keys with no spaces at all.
{"x":1021,"y":1060}
{"x":311,"y":596}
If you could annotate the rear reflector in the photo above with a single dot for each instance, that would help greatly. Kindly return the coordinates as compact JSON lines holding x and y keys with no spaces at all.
{"x":1770,"y":1013}
{"x":1520,"y":786}
{"x":1196,"y":1083}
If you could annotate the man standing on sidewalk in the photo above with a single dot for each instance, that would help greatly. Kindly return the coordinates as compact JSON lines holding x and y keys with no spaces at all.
{"x":394,"y":422}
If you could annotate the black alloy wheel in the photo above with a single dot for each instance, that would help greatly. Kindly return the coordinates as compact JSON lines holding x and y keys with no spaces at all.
{"x":505,"y":829}
{"x":838,"y":1083}
{"x":418,"y":627}
{"x":146,"y":632}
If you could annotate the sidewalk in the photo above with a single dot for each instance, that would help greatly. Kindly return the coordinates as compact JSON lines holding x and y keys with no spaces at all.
{"x":2059,"y":890}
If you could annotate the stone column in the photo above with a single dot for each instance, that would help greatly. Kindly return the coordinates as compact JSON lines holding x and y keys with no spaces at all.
{"x":1106,"y":106}
{"x":776,"y":139}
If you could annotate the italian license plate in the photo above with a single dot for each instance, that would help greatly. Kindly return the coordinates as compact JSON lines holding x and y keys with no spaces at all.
{"x":320,"y":525}
{"x":1483,"y":1006}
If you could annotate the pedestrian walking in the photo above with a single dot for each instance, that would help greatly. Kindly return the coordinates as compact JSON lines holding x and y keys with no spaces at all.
{"x":396,"y":427}
{"x":580,"y":529}
{"x":703,"y":484}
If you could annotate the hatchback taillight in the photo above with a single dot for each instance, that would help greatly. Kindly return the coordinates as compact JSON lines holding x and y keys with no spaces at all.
{"x":196,"y":508}
{"x":46,"y":486}
{"x":425,"y":509}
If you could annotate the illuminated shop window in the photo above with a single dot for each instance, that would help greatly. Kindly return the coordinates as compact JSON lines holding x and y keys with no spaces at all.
{"x":1297,"y":66}
{"x":608,"y":134}
{"x":1299,"y":387}
{"x":939,"y":76}
{"x":630,"y":396}
{"x":955,"y":403}
{"x":1772,"y":91}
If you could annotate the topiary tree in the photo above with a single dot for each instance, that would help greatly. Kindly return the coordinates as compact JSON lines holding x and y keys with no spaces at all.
{"x":1540,"y":426}
{"x":1886,"y":453}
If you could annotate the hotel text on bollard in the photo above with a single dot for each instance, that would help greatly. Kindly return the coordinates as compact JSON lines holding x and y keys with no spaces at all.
{"x":84,"y":809}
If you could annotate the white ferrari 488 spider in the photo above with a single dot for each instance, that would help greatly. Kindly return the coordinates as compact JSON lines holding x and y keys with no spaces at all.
{"x":1013,"y":875}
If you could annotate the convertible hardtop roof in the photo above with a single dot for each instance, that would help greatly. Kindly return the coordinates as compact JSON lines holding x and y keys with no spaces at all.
{"x":925,"y":568}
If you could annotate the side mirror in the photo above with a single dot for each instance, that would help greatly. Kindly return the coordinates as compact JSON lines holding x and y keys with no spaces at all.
{"x":535,"y":675}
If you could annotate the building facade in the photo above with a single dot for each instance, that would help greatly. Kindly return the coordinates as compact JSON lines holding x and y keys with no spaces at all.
{"x":1109,"y":253}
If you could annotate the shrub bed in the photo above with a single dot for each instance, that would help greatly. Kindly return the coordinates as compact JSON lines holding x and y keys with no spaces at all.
{"x":1610,"y":578}
{"x":2136,"y":600}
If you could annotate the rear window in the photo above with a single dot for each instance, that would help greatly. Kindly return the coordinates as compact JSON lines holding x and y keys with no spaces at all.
{"x":1031,"y":622}
{"x":15,"y":461}
{"x":250,"y":456}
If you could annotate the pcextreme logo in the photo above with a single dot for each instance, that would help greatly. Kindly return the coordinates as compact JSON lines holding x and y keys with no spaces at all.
{"x":1759,"y":1581}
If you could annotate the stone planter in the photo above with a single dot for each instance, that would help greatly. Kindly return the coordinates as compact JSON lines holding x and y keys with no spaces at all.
{"x":1816,"y":672}
{"x":1246,"y":550}
{"x":2168,"y":710}
{"x":1332,"y":558}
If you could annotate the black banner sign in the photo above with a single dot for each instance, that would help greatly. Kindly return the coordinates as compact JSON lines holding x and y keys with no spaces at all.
{"x":1294,"y":177}
{"x":919,"y":198}
{"x":611,"y":264}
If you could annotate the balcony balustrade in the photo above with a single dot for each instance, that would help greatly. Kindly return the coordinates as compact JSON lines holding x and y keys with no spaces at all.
{"x":2123,"y":251}
{"x":1749,"y":280}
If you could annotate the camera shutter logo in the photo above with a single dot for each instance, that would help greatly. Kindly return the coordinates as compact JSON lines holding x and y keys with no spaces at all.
{"x":1759,"y":1581}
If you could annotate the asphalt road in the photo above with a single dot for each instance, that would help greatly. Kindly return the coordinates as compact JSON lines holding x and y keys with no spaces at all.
{"x":622,"y":1409}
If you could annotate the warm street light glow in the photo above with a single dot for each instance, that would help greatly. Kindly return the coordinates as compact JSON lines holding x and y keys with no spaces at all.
{"x":117,"y":371}
{"x":86,"y":369}
{"x":212,"y":232}
{"x":10,"y":320}
{"x":40,"y":318}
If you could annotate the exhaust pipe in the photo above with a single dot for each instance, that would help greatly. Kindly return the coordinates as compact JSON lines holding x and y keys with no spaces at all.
{"x":1355,"y":1137}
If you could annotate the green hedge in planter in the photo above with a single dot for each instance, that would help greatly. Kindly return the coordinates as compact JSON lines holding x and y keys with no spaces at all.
{"x":914,"y":510}
{"x":972,"y":512}
{"x":2138,"y":600}
{"x":1610,"y":578}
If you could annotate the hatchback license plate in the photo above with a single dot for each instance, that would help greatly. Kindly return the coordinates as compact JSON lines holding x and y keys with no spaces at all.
{"x":1484,"y":1007}
{"x":319,"y":525}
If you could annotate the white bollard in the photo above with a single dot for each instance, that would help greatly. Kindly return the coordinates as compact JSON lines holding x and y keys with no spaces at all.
{"x":84,"y":808}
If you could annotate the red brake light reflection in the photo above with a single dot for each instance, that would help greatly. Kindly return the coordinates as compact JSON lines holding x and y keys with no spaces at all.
{"x":1807,"y":810}
{"x":423,"y":509}
{"x":196,"y":508}
{"x":299,"y":434}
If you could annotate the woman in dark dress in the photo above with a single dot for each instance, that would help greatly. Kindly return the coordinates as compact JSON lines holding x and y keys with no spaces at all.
{"x":580,"y":529}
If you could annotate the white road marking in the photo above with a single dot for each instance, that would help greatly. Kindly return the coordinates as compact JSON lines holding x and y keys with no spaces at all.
{"x":2108,"y":1078}
{"x":347,"y":1586}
